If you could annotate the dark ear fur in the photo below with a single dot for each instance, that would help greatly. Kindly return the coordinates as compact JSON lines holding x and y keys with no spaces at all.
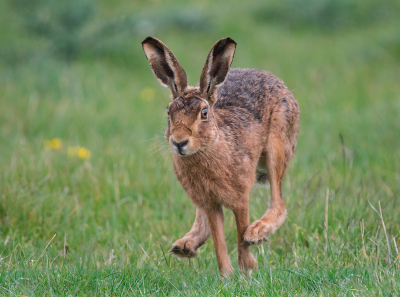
{"x":217,"y":66}
{"x":165,"y":66}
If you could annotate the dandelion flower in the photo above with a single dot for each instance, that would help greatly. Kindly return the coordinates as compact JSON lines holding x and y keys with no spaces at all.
{"x":78,"y":151}
{"x":53,"y":144}
{"x":83,"y":153}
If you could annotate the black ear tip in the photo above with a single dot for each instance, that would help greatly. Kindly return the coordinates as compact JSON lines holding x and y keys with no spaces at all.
{"x":147,"y":39}
{"x":150,"y":39}
{"x":230,"y":40}
{"x":222,"y":44}
{"x":225,"y":41}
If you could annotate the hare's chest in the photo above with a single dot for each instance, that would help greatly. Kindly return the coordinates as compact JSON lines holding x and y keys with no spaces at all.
{"x":209,"y":187}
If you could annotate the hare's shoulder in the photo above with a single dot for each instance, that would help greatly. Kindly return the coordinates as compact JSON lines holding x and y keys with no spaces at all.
{"x":250,"y":89}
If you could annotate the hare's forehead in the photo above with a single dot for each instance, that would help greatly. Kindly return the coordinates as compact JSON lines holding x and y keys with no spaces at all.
{"x":187,"y":105}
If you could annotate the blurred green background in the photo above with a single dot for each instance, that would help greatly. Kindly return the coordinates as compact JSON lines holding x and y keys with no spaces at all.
{"x":82,"y":153}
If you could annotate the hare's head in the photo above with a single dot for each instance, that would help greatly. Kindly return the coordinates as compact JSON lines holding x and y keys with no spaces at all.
{"x":191,"y":124}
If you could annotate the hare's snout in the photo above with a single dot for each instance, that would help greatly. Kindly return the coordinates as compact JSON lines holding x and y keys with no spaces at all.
{"x":180,"y":147}
{"x":182,"y":141}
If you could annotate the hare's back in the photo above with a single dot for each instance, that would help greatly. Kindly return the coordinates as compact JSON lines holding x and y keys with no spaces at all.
{"x":254,"y":90}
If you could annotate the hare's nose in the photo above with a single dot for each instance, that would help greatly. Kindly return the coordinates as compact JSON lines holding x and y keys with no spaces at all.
{"x":180,"y":145}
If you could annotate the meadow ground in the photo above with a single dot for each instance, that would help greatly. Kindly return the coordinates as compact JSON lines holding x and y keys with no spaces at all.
{"x":89,"y":204}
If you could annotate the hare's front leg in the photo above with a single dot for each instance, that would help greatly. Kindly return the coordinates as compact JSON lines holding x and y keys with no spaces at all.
{"x":216,"y":222}
{"x":186,"y":247}
{"x":246,"y":260}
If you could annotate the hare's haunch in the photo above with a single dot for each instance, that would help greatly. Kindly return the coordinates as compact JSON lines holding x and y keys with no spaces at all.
{"x":236,"y":127}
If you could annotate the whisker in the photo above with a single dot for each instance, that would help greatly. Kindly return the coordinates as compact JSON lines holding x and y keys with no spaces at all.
{"x":157,"y":149}
{"x":160,"y":158}
{"x":213,"y":157}
{"x":167,"y":154}
{"x":205,"y":157}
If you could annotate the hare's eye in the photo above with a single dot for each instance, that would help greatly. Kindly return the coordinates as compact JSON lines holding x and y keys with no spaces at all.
{"x":204,"y":113}
{"x":168,"y":111}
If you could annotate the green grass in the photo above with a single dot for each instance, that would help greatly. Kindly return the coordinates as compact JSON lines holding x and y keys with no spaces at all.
{"x":121,"y":210}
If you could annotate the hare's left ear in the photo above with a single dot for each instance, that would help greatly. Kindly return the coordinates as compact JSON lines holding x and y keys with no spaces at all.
{"x":216,"y":67}
{"x":165,"y":66}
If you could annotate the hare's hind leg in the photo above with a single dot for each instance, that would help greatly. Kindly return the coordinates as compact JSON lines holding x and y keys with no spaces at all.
{"x":276,"y":161}
{"x":246,"y":260}
{"x":186,"y":247}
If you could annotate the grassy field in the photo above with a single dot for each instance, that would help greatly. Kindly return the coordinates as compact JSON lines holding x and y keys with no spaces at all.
{"x":89,"y":203}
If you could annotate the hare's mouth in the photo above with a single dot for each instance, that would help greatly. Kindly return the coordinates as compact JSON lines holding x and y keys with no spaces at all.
{"x":183,"y":152}
{"x":184,"y":146}
{"x":182,"y":149}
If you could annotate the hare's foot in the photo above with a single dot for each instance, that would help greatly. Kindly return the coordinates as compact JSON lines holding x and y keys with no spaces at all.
{"x":247,"y":263}
{"x":226,"y":271}
{"x":185,"y":247}
{"x":258,"y":231}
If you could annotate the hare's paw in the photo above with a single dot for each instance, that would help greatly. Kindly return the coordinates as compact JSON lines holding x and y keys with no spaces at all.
{"x":247,"y":263}
{"x":226,"y":271}
{"x":184,"y":248}
{"x":257,"y":232}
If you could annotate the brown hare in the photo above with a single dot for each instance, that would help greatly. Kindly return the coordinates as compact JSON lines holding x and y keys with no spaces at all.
{"x":235,"y":127}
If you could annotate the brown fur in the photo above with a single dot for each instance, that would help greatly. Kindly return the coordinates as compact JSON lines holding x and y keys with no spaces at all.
{"x":250,"y":130}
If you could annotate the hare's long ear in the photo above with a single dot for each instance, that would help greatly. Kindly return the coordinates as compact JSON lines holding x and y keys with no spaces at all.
{"x":216,"y":67}
{"x":165,"y":66}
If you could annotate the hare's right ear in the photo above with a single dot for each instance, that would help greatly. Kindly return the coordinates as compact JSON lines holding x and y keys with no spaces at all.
{"x":216,"y":68}
{"x":165,"y":66}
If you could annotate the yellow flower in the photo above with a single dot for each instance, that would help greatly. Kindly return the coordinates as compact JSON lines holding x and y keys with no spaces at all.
{"x":78,"y":151}
{"x":53,"y":144}
{"x":147,"y":94}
